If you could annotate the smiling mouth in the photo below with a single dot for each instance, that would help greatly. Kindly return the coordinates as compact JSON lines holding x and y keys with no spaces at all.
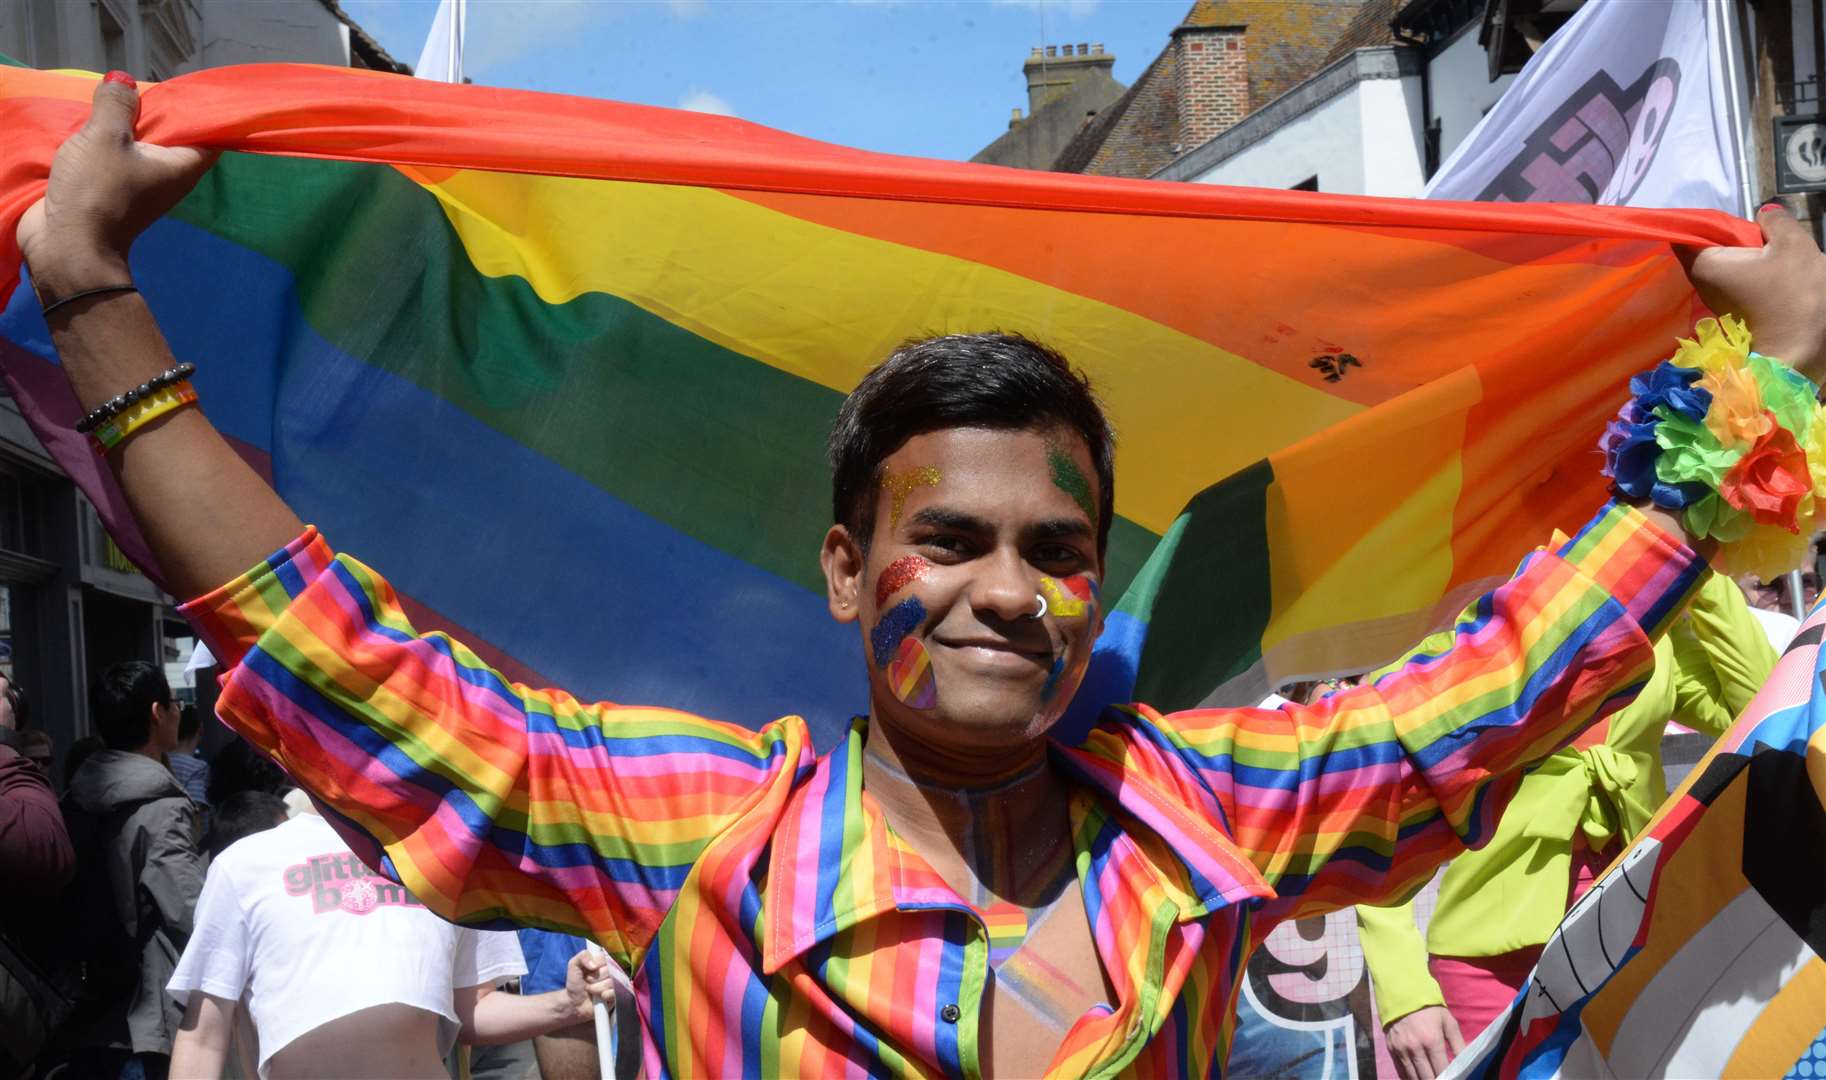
{"x":995,"y":652}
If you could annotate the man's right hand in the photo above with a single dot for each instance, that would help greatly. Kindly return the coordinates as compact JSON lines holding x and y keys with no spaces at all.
{"x":1424,"y":1042}
{"x":105,"y":189}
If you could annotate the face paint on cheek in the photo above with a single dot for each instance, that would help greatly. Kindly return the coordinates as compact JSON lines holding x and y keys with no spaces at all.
{"x":1072,"y":598}
{"x":896,"y":623}
{"x":1067,"y":477}
{"x":901,"y":484}
{"x":899,"y":574}
{"x":910,"y":675}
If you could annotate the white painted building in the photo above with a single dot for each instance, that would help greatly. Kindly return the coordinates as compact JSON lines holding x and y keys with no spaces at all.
{"x":1361,"y":125}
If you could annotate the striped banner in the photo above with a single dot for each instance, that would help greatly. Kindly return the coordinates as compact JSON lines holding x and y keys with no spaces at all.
{"x":563,"y":368}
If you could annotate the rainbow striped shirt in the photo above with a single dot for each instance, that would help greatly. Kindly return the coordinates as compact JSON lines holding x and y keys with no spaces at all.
{"x":773,"y":924}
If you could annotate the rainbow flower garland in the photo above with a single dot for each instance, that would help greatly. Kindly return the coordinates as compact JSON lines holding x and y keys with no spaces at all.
{"x":1733,"y":439}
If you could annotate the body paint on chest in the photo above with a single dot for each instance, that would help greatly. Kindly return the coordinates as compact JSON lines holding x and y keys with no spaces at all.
{"x":1067,"y":477}
{"x":901,"y":484}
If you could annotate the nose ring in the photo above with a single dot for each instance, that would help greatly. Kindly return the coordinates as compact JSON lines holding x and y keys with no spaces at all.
{"x":1041,"y":613}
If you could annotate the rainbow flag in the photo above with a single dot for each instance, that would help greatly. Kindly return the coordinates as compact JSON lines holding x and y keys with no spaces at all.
{"x":562,"y":369}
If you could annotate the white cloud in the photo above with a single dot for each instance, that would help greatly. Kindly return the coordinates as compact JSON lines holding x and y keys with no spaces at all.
{"x":696,"y":100}
{"x":1077,"y":9}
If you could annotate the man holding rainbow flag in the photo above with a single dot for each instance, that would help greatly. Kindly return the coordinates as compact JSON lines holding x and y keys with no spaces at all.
{"x":948,"y":891}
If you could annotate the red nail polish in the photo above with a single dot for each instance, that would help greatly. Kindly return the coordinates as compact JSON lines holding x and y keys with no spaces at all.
{"x":1772,"y":204}
{"x":122,"y":78}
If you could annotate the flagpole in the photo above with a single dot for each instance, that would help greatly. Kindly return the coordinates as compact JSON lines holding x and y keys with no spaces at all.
{"x":459,"y":14}
{"x":1733,"y":73}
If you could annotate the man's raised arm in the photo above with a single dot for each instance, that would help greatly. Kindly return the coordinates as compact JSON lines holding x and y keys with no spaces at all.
{"x":488,"y":799}
{"x":206,"y":515}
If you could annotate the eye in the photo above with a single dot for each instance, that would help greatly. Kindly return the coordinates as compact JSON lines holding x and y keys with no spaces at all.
{"x":944,"y":547}
{"x":1058,"y":555}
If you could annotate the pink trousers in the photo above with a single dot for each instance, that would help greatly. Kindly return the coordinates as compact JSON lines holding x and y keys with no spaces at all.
{"x":1478,"y":988}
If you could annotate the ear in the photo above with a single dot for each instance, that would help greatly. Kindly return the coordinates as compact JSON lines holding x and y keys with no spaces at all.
{"x":843,"y":564}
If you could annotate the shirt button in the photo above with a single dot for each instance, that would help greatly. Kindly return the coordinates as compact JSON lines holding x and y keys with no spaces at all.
{"x":949,"y":1014}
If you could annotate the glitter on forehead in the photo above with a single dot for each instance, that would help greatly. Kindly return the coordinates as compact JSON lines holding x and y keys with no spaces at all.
{"x":900,"y":485}
{"x":1067,"y":477}
{"x":899,"y":621}
{"x":900,"y":573}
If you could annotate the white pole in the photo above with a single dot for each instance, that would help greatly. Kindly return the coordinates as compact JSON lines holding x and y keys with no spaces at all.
{"x":1733,"y":77}
{"x":605,"y":1048}
{"x":459,"y":26}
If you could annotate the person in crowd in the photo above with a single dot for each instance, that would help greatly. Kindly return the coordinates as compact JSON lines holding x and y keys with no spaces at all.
{"x":1571,"y":816}
{"x":36,"y":863}
{"x":139,"y":870}
{"x":1773,"y":608}
{"x":80,"y":751}
{"x":948,"y":890}
{"x":567,"y":1053}
{"x":238,"y":767}
{"x":343,"y":972}
{"x":192,"y":771}
{"x":243,"y":814}
{"x":36,"y":747}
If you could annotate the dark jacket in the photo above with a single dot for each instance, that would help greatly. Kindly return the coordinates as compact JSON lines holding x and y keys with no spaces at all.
{"x":35,"y":855}
{"x":36,"y":862}
{"x":128,"y":811}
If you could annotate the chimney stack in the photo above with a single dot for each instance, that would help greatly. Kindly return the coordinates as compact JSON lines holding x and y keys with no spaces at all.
{"x":1211,"y":74}
{"x":1052,"y":70}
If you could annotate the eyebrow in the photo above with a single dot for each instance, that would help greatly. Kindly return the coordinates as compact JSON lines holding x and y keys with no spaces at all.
{"x":942,"y":517}
{"x":1063,"y":529}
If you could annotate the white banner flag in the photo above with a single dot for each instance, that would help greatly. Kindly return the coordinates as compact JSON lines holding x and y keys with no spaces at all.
{"x":442,"y":57}
{"x":1628,"y":104}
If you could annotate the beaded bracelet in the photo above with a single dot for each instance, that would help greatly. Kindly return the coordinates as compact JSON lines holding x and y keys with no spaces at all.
{"x":167,"y":399}
{"x":119,"y":403}
{"x":1733,"y":440}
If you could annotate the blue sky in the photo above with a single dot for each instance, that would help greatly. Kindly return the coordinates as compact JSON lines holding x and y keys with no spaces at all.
{"x":935,"y":78}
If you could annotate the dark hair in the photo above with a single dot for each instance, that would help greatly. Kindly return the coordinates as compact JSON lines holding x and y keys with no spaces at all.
{"x":22,"y":705}
{"x":243,"y":814}
{"x":80,"y":751}
{"x":122,"y":703}
{"x":996,"y":380}
{"x":238,"y":767}
{"x":189,"y":720}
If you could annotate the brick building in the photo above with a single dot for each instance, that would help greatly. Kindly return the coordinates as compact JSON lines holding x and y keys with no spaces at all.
{"x":1224,"y":60}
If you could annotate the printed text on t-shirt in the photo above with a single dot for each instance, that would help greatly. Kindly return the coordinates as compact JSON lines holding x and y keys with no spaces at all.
{"x":337,"y":881}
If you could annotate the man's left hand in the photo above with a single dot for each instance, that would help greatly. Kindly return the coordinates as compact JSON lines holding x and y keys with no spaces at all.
{"x":1779,"y":290}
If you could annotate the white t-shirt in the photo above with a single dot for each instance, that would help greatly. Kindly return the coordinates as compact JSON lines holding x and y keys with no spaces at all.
{"x":1779,"y":625}
{"x":291,"y":920}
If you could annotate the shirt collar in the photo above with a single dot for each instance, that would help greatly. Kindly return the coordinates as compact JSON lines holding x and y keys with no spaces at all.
{"x":832,"y":863}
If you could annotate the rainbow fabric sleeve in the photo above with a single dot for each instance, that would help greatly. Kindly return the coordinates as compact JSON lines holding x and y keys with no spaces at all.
{"x":1362,"y":795}
{"x":491,"y":801}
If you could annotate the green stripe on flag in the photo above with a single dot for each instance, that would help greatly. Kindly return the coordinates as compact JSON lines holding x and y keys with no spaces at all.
{"x":1205,"y":593}
{"x":719,"y":446}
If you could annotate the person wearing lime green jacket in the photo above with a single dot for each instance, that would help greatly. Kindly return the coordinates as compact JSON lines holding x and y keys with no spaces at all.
{"x":1572,"y":814}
